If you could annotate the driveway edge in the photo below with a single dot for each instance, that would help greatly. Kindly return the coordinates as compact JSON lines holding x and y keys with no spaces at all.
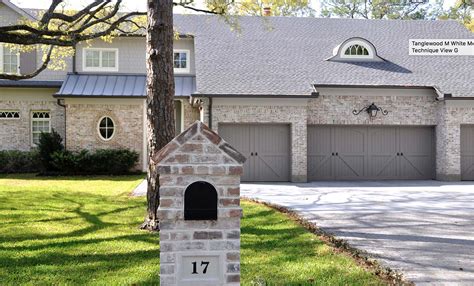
{"x":362,"y":258}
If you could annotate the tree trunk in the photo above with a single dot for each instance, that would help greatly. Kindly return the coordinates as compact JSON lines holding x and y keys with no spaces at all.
{"x":160,"y":92}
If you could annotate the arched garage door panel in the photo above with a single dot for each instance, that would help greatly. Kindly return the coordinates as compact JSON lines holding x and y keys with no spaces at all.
{"x":266,"y":147}
{"x":370,"y":153}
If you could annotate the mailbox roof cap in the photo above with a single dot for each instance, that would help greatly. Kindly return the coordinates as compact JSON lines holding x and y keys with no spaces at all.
{"x":198,"y":128}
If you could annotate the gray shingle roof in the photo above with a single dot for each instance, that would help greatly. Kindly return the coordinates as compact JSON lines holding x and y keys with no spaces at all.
{"x":117,"y":85}
{"x":30,"y":83}
{"x":286,"y":56}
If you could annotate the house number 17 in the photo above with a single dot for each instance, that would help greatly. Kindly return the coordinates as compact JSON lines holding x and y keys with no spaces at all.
{"x":204,"y":265}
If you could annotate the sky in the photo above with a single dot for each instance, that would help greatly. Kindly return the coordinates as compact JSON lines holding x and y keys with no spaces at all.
{"x":134,"y":5}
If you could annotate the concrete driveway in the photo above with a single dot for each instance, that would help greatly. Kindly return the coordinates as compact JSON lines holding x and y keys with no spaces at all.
{"x":424,"y":229}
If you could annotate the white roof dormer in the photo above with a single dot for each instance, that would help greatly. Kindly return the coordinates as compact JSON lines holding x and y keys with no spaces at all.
{"x":355,"y":49}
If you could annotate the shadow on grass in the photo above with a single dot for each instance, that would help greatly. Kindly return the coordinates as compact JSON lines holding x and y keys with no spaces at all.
{"x":60,"y":236}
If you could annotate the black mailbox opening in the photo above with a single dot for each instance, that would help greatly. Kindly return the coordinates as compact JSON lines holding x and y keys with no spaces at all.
{"x":200,"y":202}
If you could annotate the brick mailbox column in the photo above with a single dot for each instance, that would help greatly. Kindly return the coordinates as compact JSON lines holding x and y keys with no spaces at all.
{"x":199,"y":209}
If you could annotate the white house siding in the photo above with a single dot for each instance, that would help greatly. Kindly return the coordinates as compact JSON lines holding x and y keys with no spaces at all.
{"x":50,"y":74}
{"x":8,"y":16}
{"x":132,"y":53}
{"x":15,"y":134}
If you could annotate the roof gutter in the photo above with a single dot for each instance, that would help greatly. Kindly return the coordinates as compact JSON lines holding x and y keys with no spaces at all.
{"x":373,"y":86}
{"x":313,"y":94}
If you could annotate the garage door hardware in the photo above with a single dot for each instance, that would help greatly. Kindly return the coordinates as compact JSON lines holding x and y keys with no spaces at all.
{"x":335,"y":154}
{"x":256,"y":154}
{"x":399,"y":154}
{"x":372,"y":110}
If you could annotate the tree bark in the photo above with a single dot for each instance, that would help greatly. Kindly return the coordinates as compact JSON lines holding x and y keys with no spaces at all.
{"x":160,"y":93}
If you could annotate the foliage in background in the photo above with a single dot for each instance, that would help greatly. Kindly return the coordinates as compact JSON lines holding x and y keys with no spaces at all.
{"x":99,"y":162}
{"x":399,"y":9}
{"x":461,"y":11}
{"x":19,"y":162}
{"x":378,"y":9}
{"x":49,"y":143}
{"x":278,"y":7}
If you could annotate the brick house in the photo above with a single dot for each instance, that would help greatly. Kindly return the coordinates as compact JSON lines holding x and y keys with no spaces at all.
{"x":285,"y":92}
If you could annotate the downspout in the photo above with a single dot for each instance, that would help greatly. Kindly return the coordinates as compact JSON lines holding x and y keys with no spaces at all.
{"x":210,"y":113}
{"x":74,"y":60}
{"x":65,"y":121}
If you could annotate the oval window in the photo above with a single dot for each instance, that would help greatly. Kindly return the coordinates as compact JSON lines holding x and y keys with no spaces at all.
{"x":106,"y":128}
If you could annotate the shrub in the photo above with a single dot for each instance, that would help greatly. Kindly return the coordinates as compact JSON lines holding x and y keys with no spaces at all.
{"x":49,"y":143}
{"x":70,"y":162}
{"x":19,"y":162}
{"x":114,"y":162}
{"x":100,"y":162}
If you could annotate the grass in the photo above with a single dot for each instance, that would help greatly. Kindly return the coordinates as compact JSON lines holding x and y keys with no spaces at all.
{"x":84,"y":230}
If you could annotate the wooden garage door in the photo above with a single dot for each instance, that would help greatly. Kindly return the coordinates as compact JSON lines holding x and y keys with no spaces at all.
{"x":467,"y":153}
{"x":370,"y":153}
{"x":266,"y":147}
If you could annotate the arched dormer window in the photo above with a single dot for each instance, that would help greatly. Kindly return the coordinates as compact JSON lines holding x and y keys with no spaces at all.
{"x":355,"y":49}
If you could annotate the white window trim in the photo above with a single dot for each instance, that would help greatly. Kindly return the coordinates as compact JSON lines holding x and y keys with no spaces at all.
{"x":188,"y":63}
{"x":182,"y":115}
{"x":39,"y":119}
{"x":98,"y":128}
{"x":100,"y":68}
{"x":10,"y":110}
{"x":360,"y":43}
{"x":1,"y":60}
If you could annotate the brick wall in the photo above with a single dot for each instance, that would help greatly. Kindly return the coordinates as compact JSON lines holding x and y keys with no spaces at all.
{"x":15,"y":134}
{"x":451,"y":115}
{"x":191,"y":114}
{"x":198,"y":154}
{"x":403,"y":110}
{"x":83,"y":117}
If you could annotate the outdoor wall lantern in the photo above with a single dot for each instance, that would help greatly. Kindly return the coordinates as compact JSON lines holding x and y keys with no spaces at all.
{"x":372,"y":110}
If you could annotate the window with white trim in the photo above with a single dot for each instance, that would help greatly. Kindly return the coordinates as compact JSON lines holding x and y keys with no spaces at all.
{"x":9,"y":60}
{"x":40,"y":123}
{"x":100,"y":59}
{"x":356,"y":50}
{"x":181,"y":61}
{"x":9,"y":114}
{"x":106,"y":128}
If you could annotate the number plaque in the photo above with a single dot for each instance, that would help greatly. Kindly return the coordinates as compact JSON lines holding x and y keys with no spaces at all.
{"x":200,"y":269}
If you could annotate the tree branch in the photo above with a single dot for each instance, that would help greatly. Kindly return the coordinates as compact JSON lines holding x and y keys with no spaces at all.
{"x":33,"y":74}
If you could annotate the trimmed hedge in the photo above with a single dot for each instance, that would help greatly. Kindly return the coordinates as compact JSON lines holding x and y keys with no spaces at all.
{"x":19,"y":162}
{"x":100,"y":162}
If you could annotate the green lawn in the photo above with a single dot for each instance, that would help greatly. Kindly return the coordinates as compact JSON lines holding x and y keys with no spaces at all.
{"x":69,"y":231}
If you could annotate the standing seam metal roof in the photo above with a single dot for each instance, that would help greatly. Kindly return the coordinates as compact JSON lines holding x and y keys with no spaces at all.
{"x":117,"y":85}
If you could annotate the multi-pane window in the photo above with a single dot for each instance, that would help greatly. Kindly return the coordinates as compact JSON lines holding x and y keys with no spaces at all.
{"x":356,"y":50}
{"x":108,"y":59}
{"x":9,"y":60}
{"x":106,"y":128}
{"x":9,"y":114}
{"x":40,"y":123}
{"x":181,"y":61}
{"x":100,"y":60}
